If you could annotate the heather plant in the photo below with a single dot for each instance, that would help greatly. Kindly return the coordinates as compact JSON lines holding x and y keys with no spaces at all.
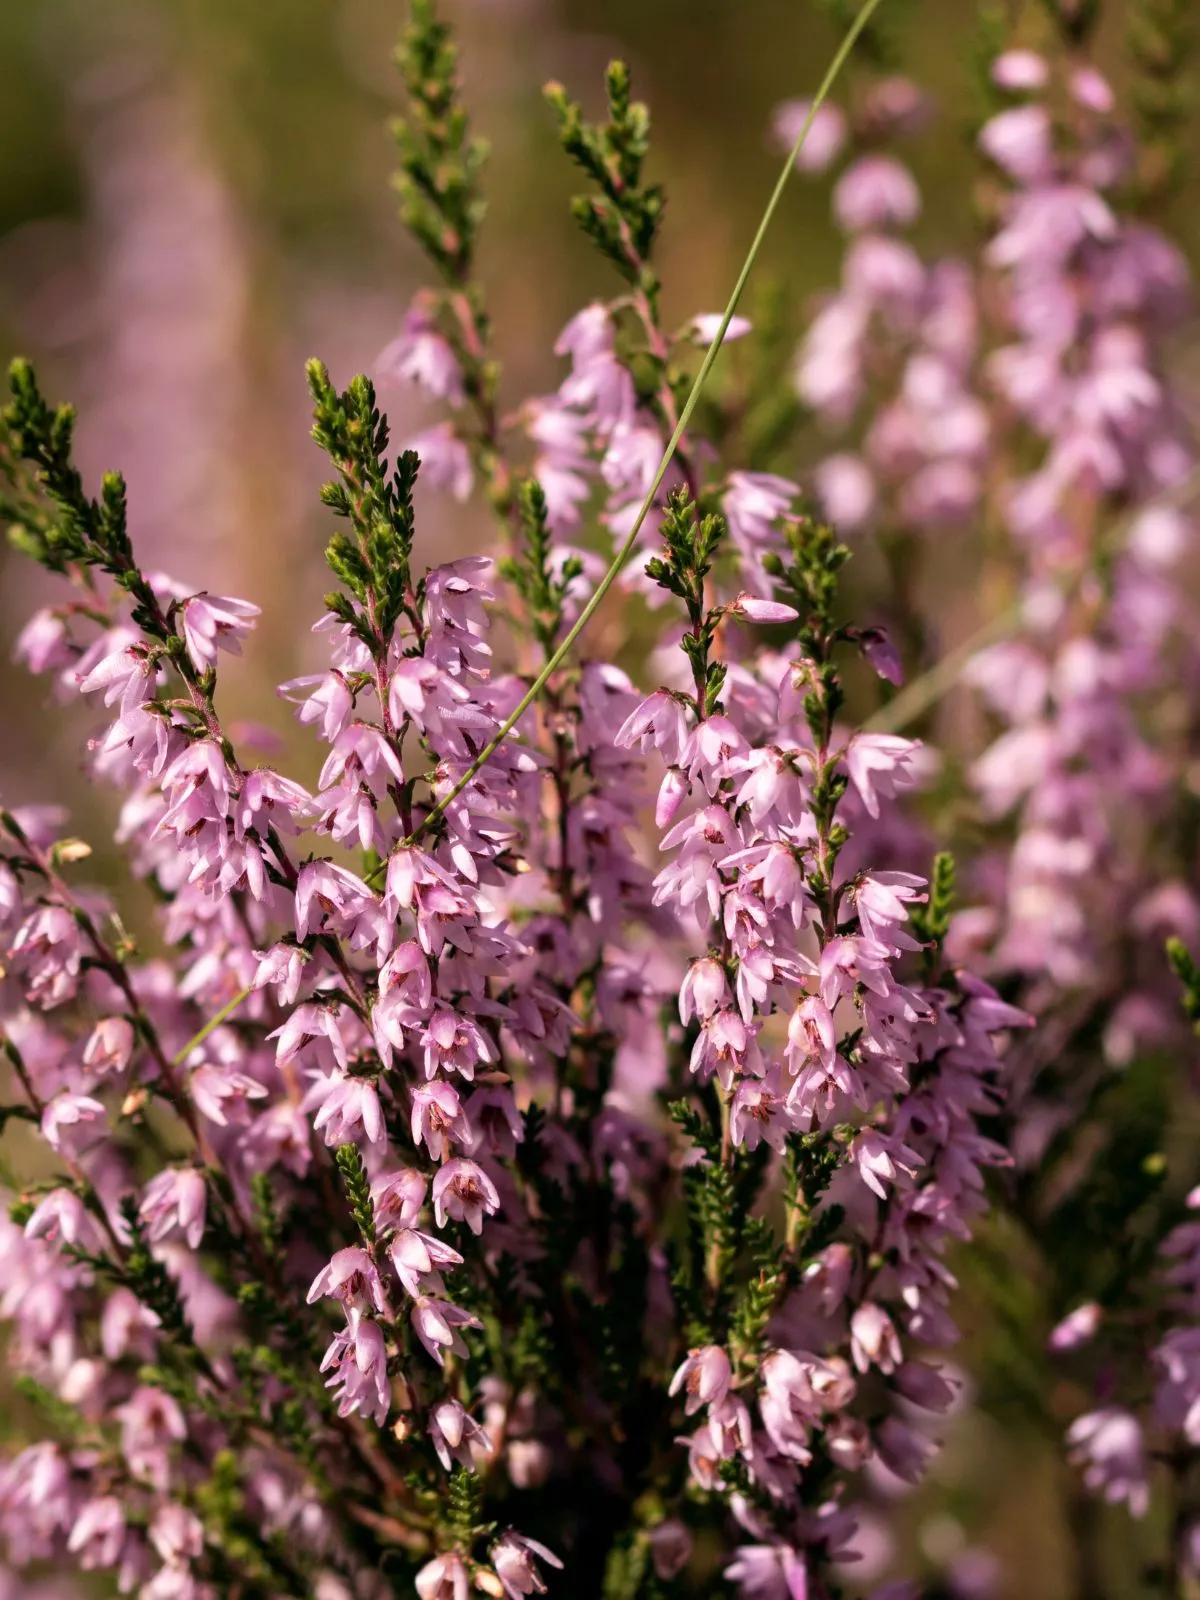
{"x":538,"y":1156}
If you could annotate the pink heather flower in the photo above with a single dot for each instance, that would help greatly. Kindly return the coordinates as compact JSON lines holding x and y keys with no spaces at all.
{"x":752,"y":609}
{"x":454,"y":613}
{"x":281,"y":967}
{"x":496,"y":1124}
{"x":352,"y":1278}
{"x":175,"y":1198}
{"x":705,"y":1453}
{"x":1108,"y":1444}
{"x":563,"y":434}
{"x":903,"y":1449}
{"x":444,"y":1578}
{"x":214,"y":622}
{"x":882,"y":654}
{"x":454,"y":1431}
{"x":711,"y":746}
{"x":811,"y":1032}
{"x":895,"y":106}
{"x":848,"y":1441}
{"x":463,"y":1190}
{"x":1092,"y":90}
{"x":438,"y":1118}
{"x":880,"y":764}
{"x":347,"y":1104}
{"x":445,"y":459}
{"x":769,"y":1572}
{"x":848,"y":961}
{"x":174,"y":1583}
{"x":417,"y":1257}
{"x":35,"y":1500}
{"x":327,"y":893}
{"x":819,"y":1093}
{"x":790,"y":1405}
{"x":151,"y":1423}
{"x":670,"y":1548}
{"x":632,"y":458}
{"x":110,"y":1045}
{"x":704,"y":328}
{"x":704,"y":1377}
{"x":397,"y":1198}
{"x":436,"y":1324}
{"x":126,"y":1324}
{"x":223,"y":1096}
{"x":881,"y":900}
{"x":873,"y":1339}
{"x":566,"y":488}
{"x":1047,"y":224}
{"x":433,"y":699}
{"x":924,"y":1386}
{"x":845,"y":486}
{"x":830,"y":362}
{"x":406,"y":870}
{"x":753,"y":504}
{"x":44,"y":643}
{"x":1020,"y":71}
{"x":126,"y":674}
{"x":513,"y":1559}
{"x":452,"y":1042}
{"x":361,"y":751}
{"x":875,"y":192}
{"x":1077,"y":1328}
{"x":730,"y":1426}
{"x":599,"y":383}
{"x":758,"y":1112}
{"x":703,"y":991}
{"x":422,"y":356}
{"x":825,"y":137}
{"x":268,"y":800}
{"x":588,"y":334}
{"x":71,"y":1121}
{"x":830,"y":1275}
{"x":672,"y":792}
{"x":48,"y":952}
{"x":884,"y":274}
{"x":98,"y":1533}
{"x":177,"y":1534}
{"x":311,"y":1024}
{"x":357,"y":1362}
{"x":406,"y":974}
{"x":832,"y":1381}
{"x":62,"y":1215}
{"x":329,"y":705}
{"x":880,"y":1162}
{"x":724,"y":1047}
{"x":775,"y":869}
{"x":1020,"y":141}
{"x":661,"y":723}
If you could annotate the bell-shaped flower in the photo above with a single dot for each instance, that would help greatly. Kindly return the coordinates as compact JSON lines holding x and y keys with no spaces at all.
{"x":463,"y":1190}
{"x":704,"y":1377}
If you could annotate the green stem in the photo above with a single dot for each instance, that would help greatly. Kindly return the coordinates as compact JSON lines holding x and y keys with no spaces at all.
{"x":226,"y":1010}
{"x":928,"y":689}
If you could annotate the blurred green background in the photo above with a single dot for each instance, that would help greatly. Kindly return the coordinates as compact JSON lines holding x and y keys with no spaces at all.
{"x":194,"y":197}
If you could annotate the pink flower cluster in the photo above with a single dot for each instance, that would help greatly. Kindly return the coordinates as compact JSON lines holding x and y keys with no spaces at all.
{"x":1030,"y":388}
